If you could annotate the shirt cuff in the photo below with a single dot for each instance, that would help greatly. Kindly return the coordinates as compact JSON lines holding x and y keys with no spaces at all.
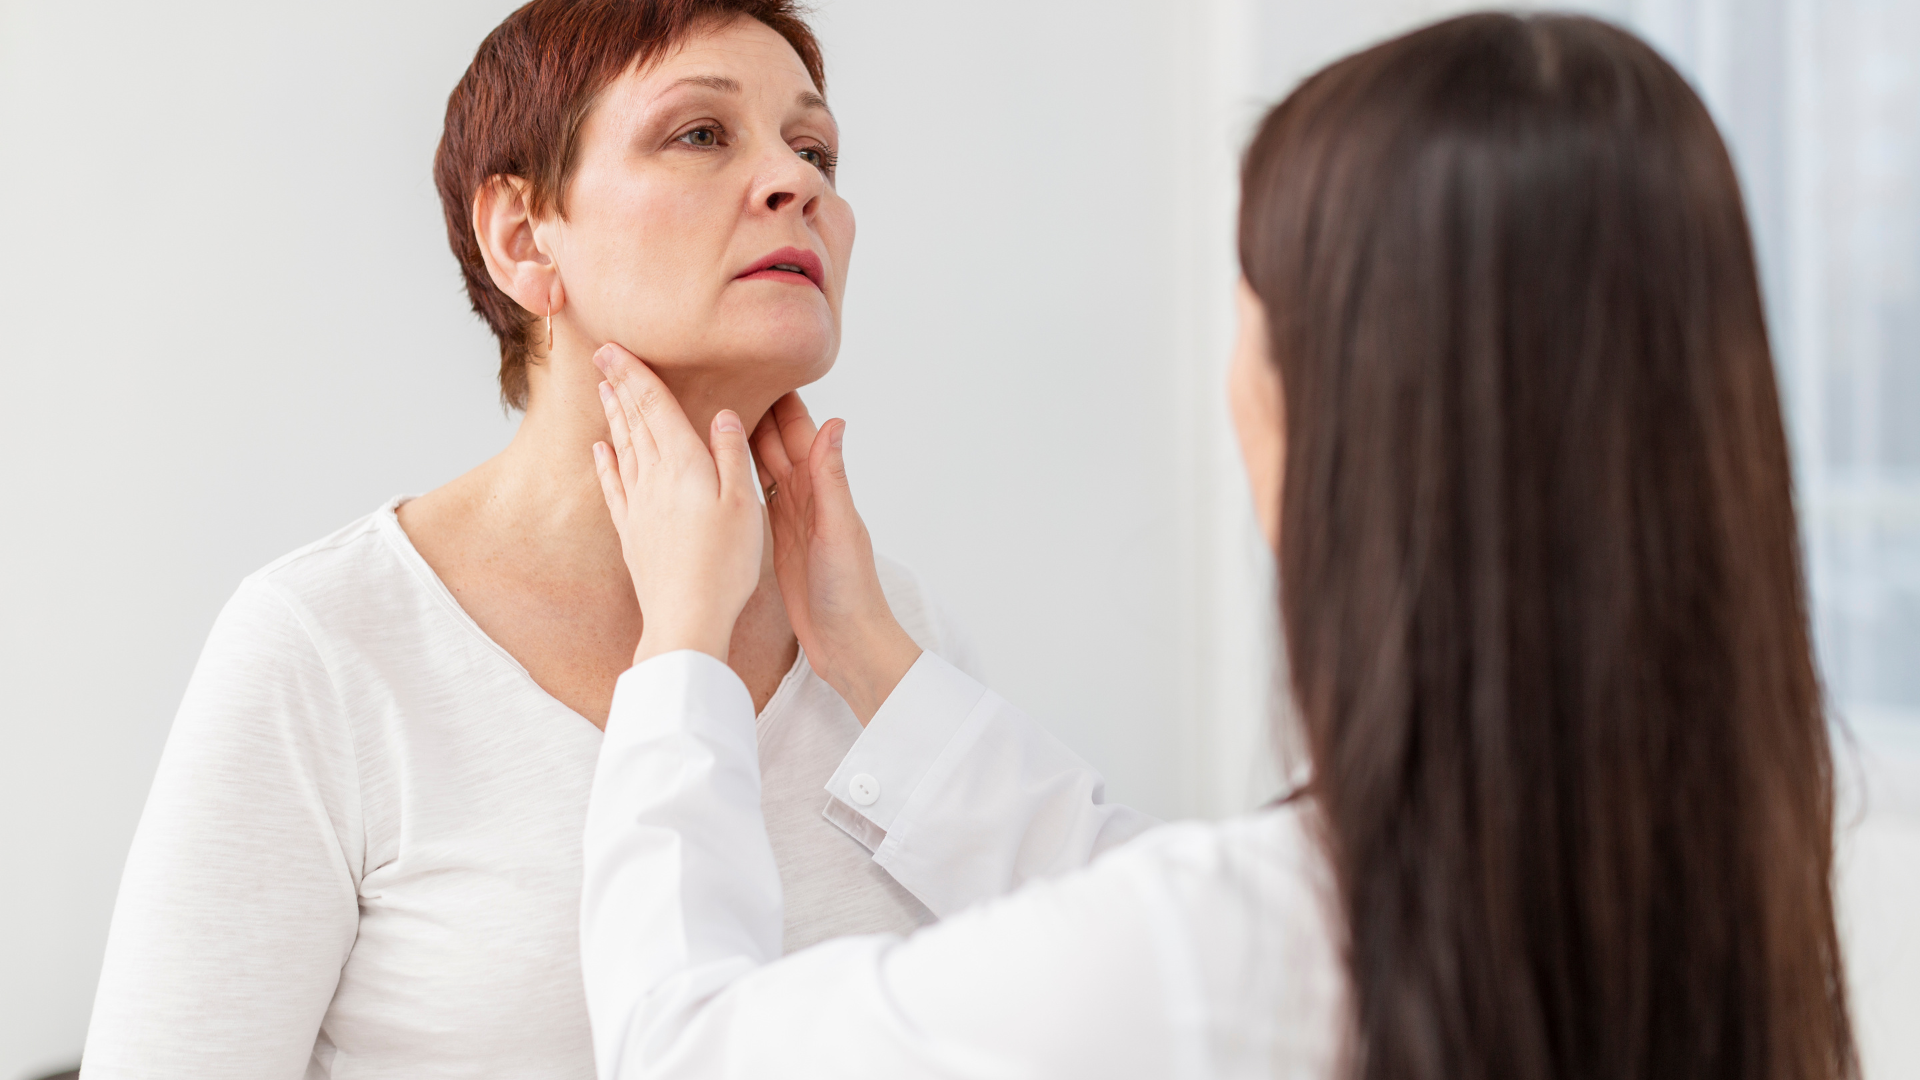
{"x":681,"y":689}
{"x":901,"y":743}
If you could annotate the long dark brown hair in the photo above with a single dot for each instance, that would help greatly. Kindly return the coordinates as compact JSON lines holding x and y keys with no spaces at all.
{"x":1540,"y":578}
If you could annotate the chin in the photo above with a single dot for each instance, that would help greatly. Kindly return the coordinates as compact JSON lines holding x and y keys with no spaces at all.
{"x":787,"y":365}
{"x":774,"y":361}
{"x":804,"y":346}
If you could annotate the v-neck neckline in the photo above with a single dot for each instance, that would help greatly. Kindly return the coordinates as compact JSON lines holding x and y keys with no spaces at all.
{"x":388,"y":521}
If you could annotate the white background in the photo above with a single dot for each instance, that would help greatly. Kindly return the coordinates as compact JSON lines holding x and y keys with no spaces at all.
{"x":231,"y":325}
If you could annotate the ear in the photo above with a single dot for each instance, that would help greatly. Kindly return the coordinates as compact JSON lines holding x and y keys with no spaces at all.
{"x":514,"y":245}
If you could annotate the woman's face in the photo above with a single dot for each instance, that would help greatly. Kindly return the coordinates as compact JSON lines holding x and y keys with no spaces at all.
{"x":702,"y":227}
{"x":1259,"y":414}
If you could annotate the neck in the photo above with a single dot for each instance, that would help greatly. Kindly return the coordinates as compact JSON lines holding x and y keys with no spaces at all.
{"x":543,"y":488}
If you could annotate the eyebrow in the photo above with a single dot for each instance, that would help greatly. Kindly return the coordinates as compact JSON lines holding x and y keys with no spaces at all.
{"x":711,"y":82}
{"x":807,"y":99}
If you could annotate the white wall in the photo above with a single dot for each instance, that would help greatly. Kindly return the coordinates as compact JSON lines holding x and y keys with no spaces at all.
{"x":231,"y":326}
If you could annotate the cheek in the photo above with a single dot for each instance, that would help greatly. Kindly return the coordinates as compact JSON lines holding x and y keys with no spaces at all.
{"x":836,"y":232}
{"x":645,"y":243}
{"x":1249,"y":416}
{"x":1255,"y":406}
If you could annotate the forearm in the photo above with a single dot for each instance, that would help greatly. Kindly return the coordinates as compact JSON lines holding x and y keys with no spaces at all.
{"x":681,"y":893}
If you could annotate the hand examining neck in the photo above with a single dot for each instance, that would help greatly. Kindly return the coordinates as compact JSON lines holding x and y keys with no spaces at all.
{"x":823,"y":558}
{"x":686,"y":508}
{"x":564,"y":407}
{"x":693,"y":534}
{"x":542,"y":487}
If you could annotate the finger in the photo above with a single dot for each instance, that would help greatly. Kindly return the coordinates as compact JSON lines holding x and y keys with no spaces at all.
{"x":770,"y":452}
{"x":827,"y":468}
{"x":649,"y":404}
{"x":608,"y":470}
{"x":731,"y":456}
{"x":626,"y":457}
{"x":796,"y":426}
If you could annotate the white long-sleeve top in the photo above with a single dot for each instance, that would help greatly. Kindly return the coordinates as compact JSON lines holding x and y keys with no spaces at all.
{"x":1078,"y":939}
{"x":361,"y":855}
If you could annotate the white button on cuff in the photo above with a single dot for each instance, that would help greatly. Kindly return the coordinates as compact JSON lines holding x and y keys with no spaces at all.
{"x":863,"y":789}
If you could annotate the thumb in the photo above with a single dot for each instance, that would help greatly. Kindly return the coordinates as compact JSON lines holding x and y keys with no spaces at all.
{"x":827,"y":469}
{"x":731,"y":455}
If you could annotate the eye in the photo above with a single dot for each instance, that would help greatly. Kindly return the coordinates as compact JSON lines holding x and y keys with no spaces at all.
{"x":820,"y":157}
{"x":702,"y":137}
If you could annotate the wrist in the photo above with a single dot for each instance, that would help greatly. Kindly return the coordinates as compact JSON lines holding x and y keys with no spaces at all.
{"x":878,"y":666}
{"x":665,"y":639}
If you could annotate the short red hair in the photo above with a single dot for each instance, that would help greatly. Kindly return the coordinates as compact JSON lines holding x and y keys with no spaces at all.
{"x":519,"y":108}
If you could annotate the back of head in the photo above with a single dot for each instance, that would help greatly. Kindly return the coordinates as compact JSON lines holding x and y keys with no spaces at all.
{"x":1541,"y":582}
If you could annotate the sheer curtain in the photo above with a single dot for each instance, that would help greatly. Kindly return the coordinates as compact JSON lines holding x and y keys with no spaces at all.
{"x":1821,"y":102}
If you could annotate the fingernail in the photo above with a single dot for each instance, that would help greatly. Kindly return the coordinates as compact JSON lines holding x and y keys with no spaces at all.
{"x":600,"y":358}
{"x":606,"y":392}
{"x":598,"y":449}
{"x":839,"y":431}
{"x":728,"y":420}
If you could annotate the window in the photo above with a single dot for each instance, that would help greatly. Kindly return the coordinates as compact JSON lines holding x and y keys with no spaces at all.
{"x":1820,"y":100}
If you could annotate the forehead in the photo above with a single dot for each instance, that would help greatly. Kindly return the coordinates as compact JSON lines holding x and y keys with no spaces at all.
{"x":743,"y":51}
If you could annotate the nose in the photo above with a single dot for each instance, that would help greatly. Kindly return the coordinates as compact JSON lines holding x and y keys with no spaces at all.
{"x":786,"y":182}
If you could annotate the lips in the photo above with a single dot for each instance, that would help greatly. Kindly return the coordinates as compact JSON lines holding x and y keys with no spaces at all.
{"x":790,"y":264}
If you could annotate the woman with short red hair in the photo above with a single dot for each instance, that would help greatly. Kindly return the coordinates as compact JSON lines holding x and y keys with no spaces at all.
{"x":362,"y":853}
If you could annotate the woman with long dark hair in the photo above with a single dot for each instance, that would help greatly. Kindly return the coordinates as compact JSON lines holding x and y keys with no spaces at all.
{"x":1505,"y":397}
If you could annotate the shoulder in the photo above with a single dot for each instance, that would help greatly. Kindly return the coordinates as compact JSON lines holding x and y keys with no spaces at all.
{"x":278,"y":624}
{"x":361,"y":590}
{"x":930,"y":625}
{"x":1213,"y":878}
{"x":1246,"y":915}
{"x":1196,"y":948}
{"x":1222,"y":885}
{"x":1246,"y":868}
{"x":1278,"y":838}
{"x":358,"y":557}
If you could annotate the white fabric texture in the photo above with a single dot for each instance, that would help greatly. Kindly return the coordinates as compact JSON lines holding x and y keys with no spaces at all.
{"x":361,"y":854}
{"x":1078,"y":939}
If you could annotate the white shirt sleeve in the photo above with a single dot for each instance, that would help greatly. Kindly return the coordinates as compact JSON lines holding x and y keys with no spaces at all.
{"x":961,"y":797}
{"x":680,"y":920}
{"x":238,"y":904}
